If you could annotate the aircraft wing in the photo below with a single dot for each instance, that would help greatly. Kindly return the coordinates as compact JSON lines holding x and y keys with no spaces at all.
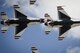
{"x":62,"y":30}
{"x":21,"y":27}
{"x":19,"y":30}
{"x":18,"y":13}
{"x":4,"y":16}
{"x":34,"y":50}
{"x":62,"y":14}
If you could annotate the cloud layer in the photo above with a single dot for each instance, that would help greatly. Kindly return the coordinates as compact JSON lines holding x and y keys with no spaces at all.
{"x":73,"y":50}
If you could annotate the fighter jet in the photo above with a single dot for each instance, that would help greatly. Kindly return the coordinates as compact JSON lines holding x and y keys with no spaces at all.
{"x":32,"y":2}
{"x":34,"y":50}
{"x":20,"y":21}
{"x":64,"y":23}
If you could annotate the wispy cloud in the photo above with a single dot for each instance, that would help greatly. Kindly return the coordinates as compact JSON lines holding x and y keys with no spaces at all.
{"x":73,"y":50}
{"x":40,"y":8}
{"x":25,"y":6}
{"x":43,"y":6}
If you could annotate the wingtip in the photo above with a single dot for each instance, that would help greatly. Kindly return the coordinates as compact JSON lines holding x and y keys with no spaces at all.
{"x":3,"y":13}
{"x":3,"y":32}
{"x":17,"y":37}
{"x":34,"y":48}
{"x":59,"y":8}
{"x":16,"y":6}
{"x":32,"y":2}
{"x":60,"y":38}
{"x":47,"y":32}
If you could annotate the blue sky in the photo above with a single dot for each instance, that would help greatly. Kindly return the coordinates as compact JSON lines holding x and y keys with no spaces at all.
{"x":34,"y":35}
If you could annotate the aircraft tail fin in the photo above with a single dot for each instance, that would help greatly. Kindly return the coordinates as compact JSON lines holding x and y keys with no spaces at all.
{"x":47,"y":16}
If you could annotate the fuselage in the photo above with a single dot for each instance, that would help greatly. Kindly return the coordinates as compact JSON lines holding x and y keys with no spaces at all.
{"x":61,"y":23}
{"x":20,"y":21}
{"x":48,"y":22}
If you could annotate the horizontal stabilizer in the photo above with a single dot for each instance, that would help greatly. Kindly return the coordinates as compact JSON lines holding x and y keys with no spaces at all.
{"x":4,"y":28}
{"x":60,"y":38}
{"x":48,"y":29}
{"x":4,"y":16}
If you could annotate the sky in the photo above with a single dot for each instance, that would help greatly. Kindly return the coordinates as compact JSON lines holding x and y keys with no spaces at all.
{"x":34,"y":35}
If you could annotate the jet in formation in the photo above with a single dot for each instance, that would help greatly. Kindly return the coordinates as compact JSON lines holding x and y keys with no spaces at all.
{"x":20,"y":21}
{"x":64,"y":23}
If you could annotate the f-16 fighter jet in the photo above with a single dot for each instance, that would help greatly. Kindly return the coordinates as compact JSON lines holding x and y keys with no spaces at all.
{"x":20,"y":22}
{"x":64,"y":23}
{"x":32,"y":2}
{"x":34,"y":50}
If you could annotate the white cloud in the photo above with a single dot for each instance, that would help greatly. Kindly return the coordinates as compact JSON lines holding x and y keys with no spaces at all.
{"x":73,"y":50}
{"x":42,"y":7}
{"x":10,"y":3}
{"x":49,"y":6}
